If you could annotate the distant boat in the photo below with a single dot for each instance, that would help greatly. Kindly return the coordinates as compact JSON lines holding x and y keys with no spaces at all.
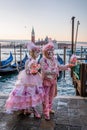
{"x":14,"y":68}
{"x":7,"y":62}
{"x":78,"y":52}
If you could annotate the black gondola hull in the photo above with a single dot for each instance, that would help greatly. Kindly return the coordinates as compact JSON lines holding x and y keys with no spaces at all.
{"x":15,"y":68}
{"x":8,"y":70}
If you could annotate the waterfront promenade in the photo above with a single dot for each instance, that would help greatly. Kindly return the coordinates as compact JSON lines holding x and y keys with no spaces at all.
{"x":70,"y":114}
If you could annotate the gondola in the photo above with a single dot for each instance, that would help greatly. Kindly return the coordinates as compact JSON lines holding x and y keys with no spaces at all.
{"x":61,"y":62}
{"x":14,"y":68}
{"x":39,"y":58}
{"x":6,"y":62}
{"x":8,"y":70}
{"x":20,"y":64}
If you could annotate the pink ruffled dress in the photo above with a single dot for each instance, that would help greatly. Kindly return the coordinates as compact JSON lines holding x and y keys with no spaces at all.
{"x":28,"y":91}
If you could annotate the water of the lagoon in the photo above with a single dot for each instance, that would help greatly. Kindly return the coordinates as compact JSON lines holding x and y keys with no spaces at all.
{"x":7,"y":83}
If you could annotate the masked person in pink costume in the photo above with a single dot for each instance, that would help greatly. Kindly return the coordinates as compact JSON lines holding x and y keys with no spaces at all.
{"x":50,"y":70}
{"x":28,"y":91}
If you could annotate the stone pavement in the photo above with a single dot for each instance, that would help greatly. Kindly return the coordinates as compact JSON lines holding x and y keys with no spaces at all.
{"x":70,"y":114}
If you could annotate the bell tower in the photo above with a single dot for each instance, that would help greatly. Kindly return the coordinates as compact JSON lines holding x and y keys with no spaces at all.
{"x":33,"y":35}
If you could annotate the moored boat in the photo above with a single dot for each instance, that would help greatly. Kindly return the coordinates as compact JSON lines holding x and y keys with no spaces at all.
{"x":14,"y":68}
{"x":7,"y":62}
{"x":61,"y":62}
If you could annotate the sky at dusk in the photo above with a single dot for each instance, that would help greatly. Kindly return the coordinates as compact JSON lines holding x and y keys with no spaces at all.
{"x":50,"y":18}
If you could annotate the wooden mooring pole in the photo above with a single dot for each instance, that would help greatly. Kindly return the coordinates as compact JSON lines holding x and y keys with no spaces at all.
{"x":64,"y":58}
{"x":72,"y":46}
{"x":20,"y":55}
{"x":78,"y":23}
{"x":81,"y":51}
{"x":15,"y":53}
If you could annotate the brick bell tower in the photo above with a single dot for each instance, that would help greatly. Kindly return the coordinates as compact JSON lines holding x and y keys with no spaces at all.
{"x":33,"y":35}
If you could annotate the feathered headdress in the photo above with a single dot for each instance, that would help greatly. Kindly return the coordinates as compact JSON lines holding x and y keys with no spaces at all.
{"x":48,"y":46}
{"x":31,"y":46}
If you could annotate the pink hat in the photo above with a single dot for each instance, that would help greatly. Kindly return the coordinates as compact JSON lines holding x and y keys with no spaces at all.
{"x":48,"y":46}
{"x":31,"y":46}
